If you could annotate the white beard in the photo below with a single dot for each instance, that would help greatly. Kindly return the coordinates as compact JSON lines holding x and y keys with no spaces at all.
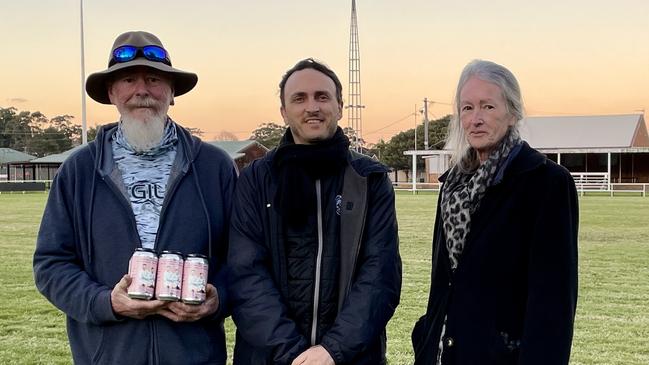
{"x":145,"y":133}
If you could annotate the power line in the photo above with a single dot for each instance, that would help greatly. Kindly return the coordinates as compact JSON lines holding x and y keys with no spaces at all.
{"x":439,"y":102}
{"x":391,"y":124}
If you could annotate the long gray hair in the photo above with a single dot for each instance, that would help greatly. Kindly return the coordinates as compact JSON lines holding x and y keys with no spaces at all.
{"x":463,"y":155}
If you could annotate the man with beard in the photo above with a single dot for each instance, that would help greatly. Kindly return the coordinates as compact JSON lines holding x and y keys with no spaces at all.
{"x":144,"y":182}
{"x":315,"y":272}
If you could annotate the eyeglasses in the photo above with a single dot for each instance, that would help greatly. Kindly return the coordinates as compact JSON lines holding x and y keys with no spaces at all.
{"x":128,"y":53}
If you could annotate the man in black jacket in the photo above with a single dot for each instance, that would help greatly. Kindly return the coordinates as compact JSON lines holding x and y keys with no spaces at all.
{"x":315,"y":272}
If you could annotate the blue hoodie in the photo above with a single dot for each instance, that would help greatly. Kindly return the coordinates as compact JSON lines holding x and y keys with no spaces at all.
{"x":88,"y":233}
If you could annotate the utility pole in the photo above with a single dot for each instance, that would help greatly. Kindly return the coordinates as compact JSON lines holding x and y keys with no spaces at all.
{"x":425,"y":123}
{"x":415,"y":114}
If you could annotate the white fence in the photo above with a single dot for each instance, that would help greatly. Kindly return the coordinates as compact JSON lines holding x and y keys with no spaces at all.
{"x":407,"y":186}
{"x":642,"y":189}
{"x":586,"y":182}
{"x":599,"y":182}
{"x":591,"y":181}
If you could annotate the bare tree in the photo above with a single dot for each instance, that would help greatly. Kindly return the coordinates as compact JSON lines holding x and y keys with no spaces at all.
{"x":225,"y":136}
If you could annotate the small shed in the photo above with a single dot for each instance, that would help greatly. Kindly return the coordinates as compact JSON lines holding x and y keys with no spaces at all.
{"x":10,"y":156}
{"x":46,"y":167}
{"x":242,"y":152}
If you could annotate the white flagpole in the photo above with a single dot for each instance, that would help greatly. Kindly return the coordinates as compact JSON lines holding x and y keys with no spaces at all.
{"x":84,"y":126}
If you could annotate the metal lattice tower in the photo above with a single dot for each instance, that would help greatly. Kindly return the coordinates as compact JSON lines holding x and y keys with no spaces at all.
{"x":354,"y":104}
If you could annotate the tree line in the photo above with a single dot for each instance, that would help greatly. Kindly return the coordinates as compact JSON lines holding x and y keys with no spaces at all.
{"x":390,"y":152}
{"x":35,"y":134}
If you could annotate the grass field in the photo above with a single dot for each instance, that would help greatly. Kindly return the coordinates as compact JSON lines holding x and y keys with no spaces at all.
{"x":612,"y":325}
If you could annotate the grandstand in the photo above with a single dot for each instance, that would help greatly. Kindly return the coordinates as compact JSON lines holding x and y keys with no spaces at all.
{"x":608,"y":153}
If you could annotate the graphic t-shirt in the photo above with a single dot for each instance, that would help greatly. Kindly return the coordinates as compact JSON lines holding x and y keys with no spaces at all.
{"x":145,"y":176}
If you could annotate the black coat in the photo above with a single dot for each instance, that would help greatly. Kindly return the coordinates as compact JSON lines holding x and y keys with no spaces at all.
{"x":513,"y":296}
{"x":370,"y":270}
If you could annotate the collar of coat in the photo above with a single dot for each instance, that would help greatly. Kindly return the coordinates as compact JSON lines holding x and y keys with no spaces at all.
{"x":527,"y":159}
{"x":362,"y":164}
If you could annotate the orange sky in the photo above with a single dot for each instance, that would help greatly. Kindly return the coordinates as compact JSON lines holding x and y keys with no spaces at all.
{"x":571,"y":57}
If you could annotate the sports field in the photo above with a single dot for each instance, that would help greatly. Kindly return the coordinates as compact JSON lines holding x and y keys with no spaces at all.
{"x":612,"y":325}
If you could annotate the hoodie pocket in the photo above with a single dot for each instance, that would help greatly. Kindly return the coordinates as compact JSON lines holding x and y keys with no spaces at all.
{"x":124,"y":342}
{"x":200,"y":342}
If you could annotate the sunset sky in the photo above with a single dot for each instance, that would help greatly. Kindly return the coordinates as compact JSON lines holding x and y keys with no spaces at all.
{"x":570,"y":57}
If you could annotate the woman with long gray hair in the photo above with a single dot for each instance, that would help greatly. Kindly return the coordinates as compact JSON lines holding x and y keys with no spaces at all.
{"x":504,"y":267}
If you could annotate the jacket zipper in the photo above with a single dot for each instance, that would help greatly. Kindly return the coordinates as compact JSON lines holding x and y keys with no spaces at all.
{"x":316,"y":289}
{"x":154,"y":344}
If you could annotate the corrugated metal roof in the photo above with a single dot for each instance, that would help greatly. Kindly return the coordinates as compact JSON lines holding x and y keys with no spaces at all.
{"x":8,"y":155}
{"x":57,"y":157}
{"x":597,"y":131}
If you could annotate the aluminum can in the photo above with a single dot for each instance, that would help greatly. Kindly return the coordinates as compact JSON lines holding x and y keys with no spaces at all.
{"x":142,"y":269}
{"x":170,"y":275}
{"x":194,"y":279}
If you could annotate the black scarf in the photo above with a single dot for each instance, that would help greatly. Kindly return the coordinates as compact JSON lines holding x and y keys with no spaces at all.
{"x":298,"y":166}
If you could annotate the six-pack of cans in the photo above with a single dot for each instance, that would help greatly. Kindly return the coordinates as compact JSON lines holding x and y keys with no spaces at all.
{"x":168,"y":276}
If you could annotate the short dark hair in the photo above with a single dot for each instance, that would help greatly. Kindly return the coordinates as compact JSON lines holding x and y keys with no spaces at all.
{"x":315,"y":65}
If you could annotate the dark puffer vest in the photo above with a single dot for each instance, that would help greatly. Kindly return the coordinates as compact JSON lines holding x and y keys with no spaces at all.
{"x":305,"y":272}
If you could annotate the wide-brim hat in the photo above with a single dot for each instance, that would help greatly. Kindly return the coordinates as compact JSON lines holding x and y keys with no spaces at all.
{"x":96,"y":85}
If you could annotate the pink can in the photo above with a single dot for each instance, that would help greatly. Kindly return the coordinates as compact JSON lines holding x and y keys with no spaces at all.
{"x":142,"y":269}
{"x":170,"y":275}
{"x":194,"y":279}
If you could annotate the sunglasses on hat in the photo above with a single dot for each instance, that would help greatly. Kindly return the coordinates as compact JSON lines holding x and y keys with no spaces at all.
{"x":128,"y":53}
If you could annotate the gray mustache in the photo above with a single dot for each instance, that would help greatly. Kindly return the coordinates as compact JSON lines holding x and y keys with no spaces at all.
{"x":143,"y":103}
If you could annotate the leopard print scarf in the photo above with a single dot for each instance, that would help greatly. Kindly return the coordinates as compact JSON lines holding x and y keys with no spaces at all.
{"x":463,"y":193}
